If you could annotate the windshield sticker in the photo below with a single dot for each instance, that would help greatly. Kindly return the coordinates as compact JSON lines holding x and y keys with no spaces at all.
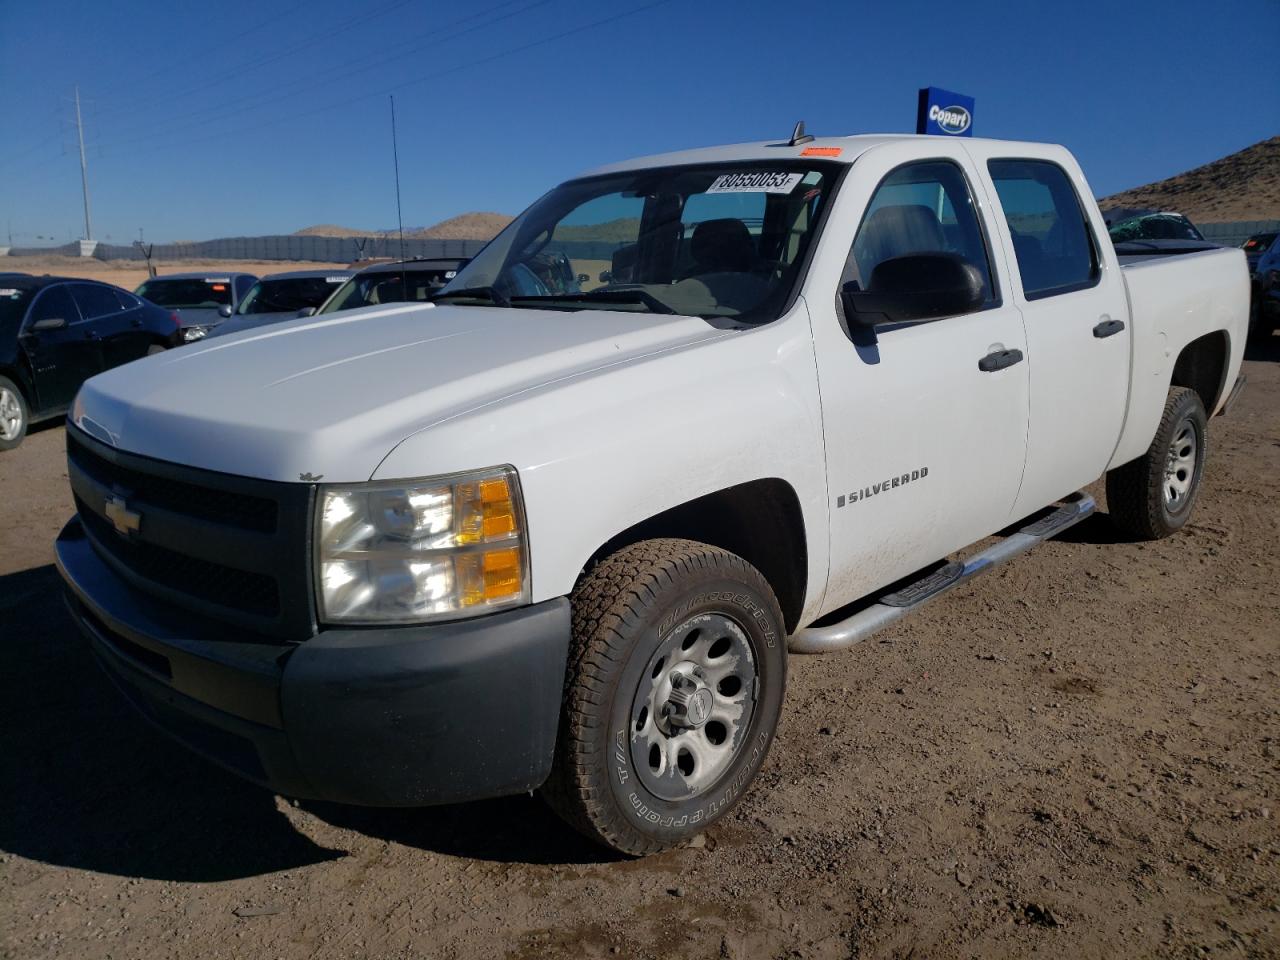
{"x":217,"y":279}
{"x":759,"y":182}
{"x":821,"y":151}
{"x":9,"y":292}
{"x":334,"y":279}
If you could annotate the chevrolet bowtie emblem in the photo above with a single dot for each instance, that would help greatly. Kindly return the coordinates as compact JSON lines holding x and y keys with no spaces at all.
{"x":125,"y":521}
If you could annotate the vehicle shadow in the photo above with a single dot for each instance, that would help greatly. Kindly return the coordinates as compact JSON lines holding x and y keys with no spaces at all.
{"x":86,"y":783}
{"x":1263,"y":349}
{"x":1096,"y":529}
{"x":511,"y":829}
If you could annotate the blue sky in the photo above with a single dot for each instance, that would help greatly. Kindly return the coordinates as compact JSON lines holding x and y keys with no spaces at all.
{"x":242,"y":118}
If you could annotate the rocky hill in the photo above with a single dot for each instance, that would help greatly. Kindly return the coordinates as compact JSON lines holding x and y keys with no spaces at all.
{"x":466,"y":226}
{"x":1242,"y":186}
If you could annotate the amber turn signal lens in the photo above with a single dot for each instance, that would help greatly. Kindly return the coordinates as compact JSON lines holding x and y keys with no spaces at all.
{"x":501,"y":574}
{"x":497,"y":509}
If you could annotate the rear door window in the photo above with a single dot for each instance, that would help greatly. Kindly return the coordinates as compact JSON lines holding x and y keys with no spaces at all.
{"x":95,"y":301}
{"x":127,"y":300}
{"x":1055,"y":248}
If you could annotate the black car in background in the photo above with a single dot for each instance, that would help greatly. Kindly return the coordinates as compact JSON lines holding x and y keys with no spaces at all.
{"x":282,"y":296}
{"x":56,"y":332}
{"x":196,"y":299}
{"x":1255,"y":247}
{"x":401,"y":281}
{"x":1160,"y":232}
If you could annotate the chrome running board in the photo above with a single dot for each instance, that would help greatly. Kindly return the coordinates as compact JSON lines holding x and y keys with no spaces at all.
{"x":893,"y":606}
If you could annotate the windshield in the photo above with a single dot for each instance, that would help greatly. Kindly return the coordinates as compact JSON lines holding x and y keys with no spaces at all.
{"x":1257,"y":244}
{"x":13,"y":302}
{"x":1162,"y":226}
{"x":720,"y":240}
{"x":411,"y":285}
{"x":288,"y":295}
{"x":187,"y":294}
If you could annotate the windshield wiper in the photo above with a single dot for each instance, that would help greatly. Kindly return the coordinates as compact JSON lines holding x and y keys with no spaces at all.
{"x":475,"y":293}
{"x":641,"y":297}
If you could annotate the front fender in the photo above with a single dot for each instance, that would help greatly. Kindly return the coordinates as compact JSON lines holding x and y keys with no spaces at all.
{"x":601,"y":452}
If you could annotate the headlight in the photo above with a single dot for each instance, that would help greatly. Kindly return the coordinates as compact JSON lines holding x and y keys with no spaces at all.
{"x":194,"y":333}
{"x":410,"y":551}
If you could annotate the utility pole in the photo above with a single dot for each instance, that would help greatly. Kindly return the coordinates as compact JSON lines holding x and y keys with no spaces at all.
{"x":84,"y":173}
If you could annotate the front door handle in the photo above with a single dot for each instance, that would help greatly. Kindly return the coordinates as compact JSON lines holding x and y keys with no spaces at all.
{"x":999,"y":359}
{"x":1108,"y":328}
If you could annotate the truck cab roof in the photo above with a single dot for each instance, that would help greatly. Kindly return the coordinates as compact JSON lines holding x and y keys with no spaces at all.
{"x":839,"y":149}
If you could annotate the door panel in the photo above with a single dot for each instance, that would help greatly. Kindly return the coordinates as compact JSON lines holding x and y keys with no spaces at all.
{"x":119,"y":330}
{"x":60,"y":359}
{"x":924,"y":448}
{"x":1076,"y":313}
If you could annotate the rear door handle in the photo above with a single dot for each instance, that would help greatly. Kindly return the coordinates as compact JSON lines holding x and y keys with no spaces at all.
{"x":999,"y":359}
{"x":1108,"y":328}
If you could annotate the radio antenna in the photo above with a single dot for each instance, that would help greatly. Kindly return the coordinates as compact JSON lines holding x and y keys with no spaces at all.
{"x":395,"y":155}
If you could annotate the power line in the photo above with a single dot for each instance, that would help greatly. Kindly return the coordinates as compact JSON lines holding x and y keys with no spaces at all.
{"x":328,"y":108}
{"x":232,"y":108}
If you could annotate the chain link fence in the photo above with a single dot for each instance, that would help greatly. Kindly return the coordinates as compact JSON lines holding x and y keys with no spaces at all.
{"x":348,"y":249}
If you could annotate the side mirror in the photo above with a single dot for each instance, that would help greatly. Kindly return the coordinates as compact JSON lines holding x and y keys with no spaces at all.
{"x":224,"y":311}
{"x":920,"y":286}
{"x":49,"y":323}
{"x":583,"y":278}
{"x":306,"y":312}
{"x":606,"y":276}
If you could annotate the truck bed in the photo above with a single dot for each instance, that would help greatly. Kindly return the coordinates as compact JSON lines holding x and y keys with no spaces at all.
{"x":1175,"y":298}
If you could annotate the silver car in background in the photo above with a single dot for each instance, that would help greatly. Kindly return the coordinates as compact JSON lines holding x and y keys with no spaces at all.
{"x":197,"y":299}
{"x":282,"y":296}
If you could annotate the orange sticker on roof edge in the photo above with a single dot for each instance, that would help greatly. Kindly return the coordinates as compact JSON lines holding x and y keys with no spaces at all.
{"x":821,"y":151}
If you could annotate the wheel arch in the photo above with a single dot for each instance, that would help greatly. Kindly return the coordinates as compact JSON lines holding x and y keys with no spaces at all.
{"x":21,"y":379}
{"x":759,"y":520}
{"x":1202,"y":366}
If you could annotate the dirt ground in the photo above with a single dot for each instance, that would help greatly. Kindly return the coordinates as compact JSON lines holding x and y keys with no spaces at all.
{"x":1076,"y":756}
{"x":129,"y":273}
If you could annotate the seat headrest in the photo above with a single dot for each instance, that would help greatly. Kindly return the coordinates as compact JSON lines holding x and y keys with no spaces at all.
{"x":722,"y":246}
{"x":896,"y":231}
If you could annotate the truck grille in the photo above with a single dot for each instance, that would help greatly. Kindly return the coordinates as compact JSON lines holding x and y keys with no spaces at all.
{"x":231,"y":548}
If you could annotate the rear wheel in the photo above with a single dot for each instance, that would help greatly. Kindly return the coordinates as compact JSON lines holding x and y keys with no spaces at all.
{"x":14,"y":414}
{"x":1152,"y":497}
{"x":675,"y":683}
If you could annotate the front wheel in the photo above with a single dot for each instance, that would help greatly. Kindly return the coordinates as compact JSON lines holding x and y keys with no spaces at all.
{"x":13,"y":414}
{"x":676,"y":675}
{"x":1151,"y":497}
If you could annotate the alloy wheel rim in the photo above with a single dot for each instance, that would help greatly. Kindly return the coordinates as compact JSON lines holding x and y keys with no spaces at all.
{"x":693,"y":706}
{"x":1180,"y":466}
{"x":10,"y":414}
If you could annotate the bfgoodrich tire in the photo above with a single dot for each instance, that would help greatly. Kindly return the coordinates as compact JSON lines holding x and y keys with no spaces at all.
{"x":14,"y":415}
{"x":1153,"y":496}
{"x":675,"y":681}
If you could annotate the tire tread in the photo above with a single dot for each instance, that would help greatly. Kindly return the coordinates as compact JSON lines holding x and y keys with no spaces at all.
{"x":613,"y":596}
{"x":1134,"y":495}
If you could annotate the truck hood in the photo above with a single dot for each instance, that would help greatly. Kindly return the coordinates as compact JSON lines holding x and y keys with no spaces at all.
{"x":331,"y":396}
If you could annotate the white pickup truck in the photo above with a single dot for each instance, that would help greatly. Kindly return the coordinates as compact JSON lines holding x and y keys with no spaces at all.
{"x":558,"y":528}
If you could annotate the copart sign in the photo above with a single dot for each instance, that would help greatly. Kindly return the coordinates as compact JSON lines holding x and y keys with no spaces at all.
{"x":945,"y":112}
